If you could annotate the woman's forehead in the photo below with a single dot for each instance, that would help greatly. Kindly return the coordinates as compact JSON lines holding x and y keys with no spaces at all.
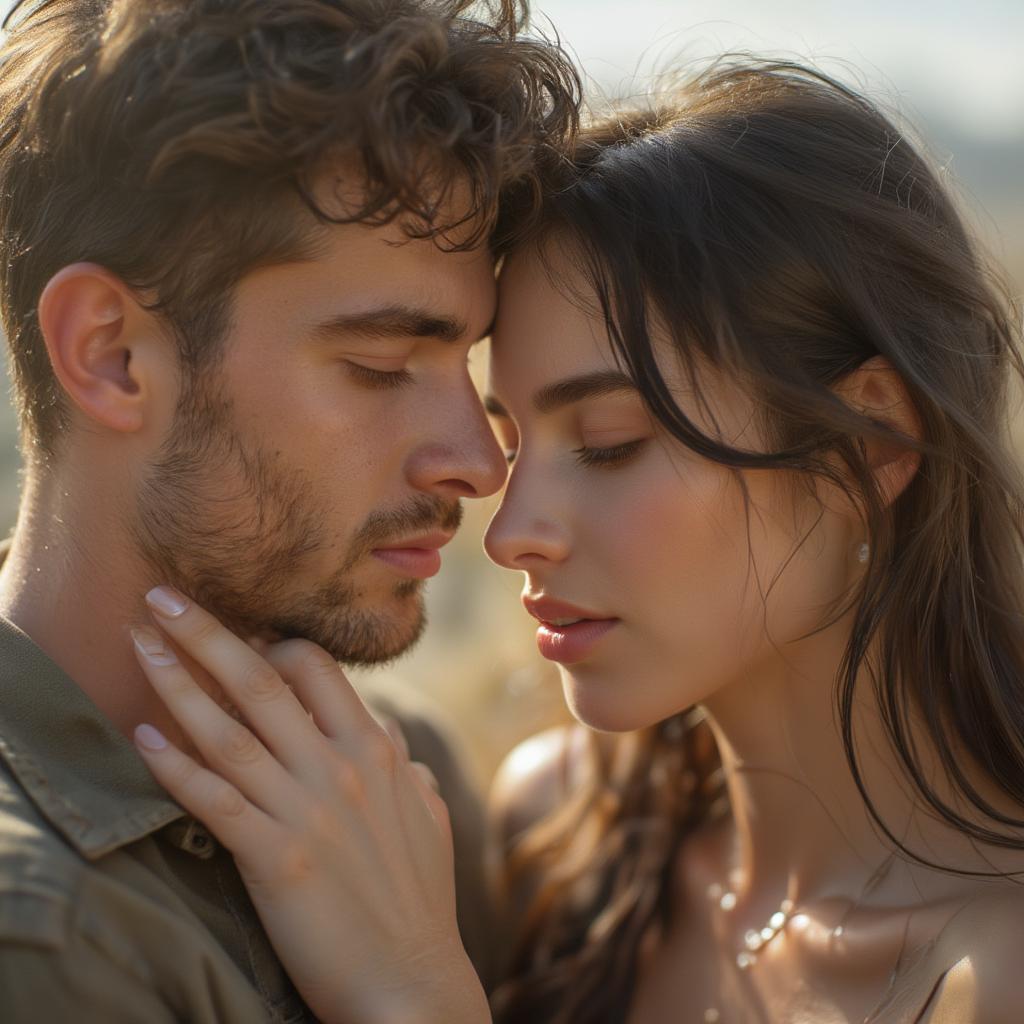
{"x":541,"y":335}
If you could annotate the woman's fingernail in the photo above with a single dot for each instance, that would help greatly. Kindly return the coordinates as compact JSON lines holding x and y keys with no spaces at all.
{"x":167,"y":601}
{"x":151,"y":645}
{"x":150,"y":738}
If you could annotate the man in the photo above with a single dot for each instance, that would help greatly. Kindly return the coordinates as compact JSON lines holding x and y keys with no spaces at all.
{"x":245,"y":254}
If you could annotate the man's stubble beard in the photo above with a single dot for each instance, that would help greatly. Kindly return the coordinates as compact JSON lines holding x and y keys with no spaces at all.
{"x":217,"y":518}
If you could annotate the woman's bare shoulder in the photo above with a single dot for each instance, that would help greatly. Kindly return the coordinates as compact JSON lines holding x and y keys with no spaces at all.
{"x":536,"y":778}
{"x":980,"y":957}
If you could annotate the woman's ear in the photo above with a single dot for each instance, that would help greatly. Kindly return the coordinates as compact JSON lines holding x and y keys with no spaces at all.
{"x":86,"y":315}
{"x":876,"y":390}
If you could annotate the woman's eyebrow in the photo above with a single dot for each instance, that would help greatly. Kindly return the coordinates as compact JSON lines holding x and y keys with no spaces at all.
{"x":568,"y":390}
{"x":575,"y":389}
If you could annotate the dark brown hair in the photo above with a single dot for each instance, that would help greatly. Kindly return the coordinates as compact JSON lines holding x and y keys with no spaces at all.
{"x":171,"y":141}
{"x":785,"y":231}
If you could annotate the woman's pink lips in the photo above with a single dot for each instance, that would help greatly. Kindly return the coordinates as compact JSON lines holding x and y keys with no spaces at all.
{"x":570,"y":644}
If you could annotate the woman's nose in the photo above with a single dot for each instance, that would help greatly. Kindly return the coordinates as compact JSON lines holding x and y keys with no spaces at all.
{"x":523,"y":534}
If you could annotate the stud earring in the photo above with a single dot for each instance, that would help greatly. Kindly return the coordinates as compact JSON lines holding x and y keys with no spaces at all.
{"x":863,"y":552}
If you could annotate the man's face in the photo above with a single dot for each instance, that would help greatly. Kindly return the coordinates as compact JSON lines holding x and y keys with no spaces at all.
{"x":313,"y":471}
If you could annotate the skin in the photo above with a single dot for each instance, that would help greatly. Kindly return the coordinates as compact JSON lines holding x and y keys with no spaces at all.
{"x":266,"y":490}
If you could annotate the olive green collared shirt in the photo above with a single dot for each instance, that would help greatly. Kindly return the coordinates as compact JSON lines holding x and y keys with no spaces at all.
{"x":115,"y":906}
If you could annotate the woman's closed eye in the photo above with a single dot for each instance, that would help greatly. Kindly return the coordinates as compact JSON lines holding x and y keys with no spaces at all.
{"x":611,"y":434}
{"x":608,"y":455}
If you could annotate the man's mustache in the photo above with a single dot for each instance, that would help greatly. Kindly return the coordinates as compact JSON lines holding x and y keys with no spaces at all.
{"x":418,"y":515}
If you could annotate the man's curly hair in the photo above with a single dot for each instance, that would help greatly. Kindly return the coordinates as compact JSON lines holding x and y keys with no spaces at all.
{"x":173,"y":142}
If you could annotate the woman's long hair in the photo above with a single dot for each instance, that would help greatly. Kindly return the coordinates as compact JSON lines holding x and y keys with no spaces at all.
{"x":784,"y":231}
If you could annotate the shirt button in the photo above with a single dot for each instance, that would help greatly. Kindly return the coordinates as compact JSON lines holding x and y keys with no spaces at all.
{"x":198,"y":841}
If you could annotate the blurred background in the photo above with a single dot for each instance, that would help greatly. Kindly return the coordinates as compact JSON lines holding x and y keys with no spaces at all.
{"x":953,"y":70}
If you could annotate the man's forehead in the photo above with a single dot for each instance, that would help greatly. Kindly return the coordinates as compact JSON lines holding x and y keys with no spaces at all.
{"x":383,"y":259}
{"x":383,"y":269}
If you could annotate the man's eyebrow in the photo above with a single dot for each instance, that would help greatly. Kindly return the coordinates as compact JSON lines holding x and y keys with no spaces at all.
{"x":575,"y":389}
{"x":393,"y":321}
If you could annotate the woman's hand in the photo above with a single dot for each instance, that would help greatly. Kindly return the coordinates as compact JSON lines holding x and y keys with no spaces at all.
{"x":343,"y":844}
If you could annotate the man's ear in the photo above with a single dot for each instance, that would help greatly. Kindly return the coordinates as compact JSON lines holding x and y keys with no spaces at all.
{"x":89,"y":319}
{"x":876,"y":390}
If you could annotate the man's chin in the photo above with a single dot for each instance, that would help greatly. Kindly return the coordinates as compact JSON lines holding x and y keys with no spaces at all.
{"x":358,"y":638}
{"x":378,"y":654}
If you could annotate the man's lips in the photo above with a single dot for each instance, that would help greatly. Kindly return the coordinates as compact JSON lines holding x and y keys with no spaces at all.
{"x":567,"y":633}
{"x":418,"y":557}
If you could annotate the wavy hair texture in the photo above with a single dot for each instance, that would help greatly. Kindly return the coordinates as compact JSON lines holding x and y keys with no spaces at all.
{"x":785,"y":232}
{"x":177,"y":142}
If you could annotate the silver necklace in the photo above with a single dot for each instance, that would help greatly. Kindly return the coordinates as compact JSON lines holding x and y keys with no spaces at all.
{"x":754,"y":939}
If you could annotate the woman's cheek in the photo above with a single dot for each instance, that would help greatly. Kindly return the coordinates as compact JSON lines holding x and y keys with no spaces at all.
{"x":683,"y":562}
{"x":676,"y":527}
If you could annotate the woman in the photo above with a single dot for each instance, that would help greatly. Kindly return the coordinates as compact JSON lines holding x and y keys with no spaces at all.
{"x":752,"y":376}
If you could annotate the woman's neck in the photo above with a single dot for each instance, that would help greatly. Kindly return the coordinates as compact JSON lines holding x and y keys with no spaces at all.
{"x":802,"y":829}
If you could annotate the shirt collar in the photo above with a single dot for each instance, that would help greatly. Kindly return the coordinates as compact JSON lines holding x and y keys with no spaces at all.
{"x":83,"y":775}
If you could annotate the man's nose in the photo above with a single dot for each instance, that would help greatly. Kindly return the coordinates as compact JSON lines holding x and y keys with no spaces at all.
{"x":459,"y":457}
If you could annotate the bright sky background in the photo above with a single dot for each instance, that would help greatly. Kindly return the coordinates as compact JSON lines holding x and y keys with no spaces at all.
{"x":955,"y":62}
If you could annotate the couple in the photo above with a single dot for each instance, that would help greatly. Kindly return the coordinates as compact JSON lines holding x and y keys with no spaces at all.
{"x":750,"y":375}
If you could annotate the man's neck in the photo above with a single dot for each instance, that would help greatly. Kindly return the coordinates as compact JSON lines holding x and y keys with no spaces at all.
{"x":73,"y":583}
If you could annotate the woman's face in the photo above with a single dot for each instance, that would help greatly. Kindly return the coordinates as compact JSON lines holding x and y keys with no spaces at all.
{"x":681,"y":589}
